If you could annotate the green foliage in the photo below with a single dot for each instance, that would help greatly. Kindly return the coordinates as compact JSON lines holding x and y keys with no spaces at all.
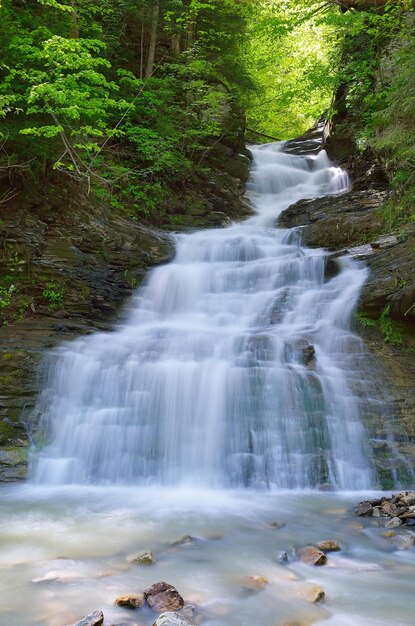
{"x":364,"y":320}
{"x":389,"y":331}
{"x":294,"y":52}
{"x":54,"y":295}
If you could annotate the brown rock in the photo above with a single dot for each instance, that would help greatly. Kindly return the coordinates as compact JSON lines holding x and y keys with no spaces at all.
{"x":329,"y":545}
{"x":129,"y":602}
{"x":312,"y":555}
{"x":163,"y":597}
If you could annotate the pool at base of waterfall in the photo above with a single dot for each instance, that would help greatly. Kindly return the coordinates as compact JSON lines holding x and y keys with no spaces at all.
{"x":65,"y":552}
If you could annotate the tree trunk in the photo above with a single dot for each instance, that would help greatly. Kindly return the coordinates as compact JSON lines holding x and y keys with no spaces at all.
{"x":153,"y":38}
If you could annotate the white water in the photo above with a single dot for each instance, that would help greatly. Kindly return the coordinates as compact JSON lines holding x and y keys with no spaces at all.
{"x":205,"y":383}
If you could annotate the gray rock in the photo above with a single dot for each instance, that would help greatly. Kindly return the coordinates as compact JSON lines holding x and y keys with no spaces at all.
{"x":404,"y":542}
{"x":93,"y":619}
{"x":393,"y":523}
{"x":364,"y":508}
{"x":172,"y":619}
{"x":283,"y":557}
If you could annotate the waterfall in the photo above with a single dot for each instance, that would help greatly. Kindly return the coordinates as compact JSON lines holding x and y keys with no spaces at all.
{"x":233,"y":367}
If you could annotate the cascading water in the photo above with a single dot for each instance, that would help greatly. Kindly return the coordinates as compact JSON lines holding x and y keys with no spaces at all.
{"x":232,"y":368}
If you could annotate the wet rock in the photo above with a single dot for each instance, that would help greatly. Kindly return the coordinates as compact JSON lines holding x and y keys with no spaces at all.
{"x":146,"y":558}
{"x":364,"y":508}
{"x":93,"y":619}
{"x":130,"y":601}
{"x":172,"y":619}
{"x":329,"y":545}
{"x":393,"y":523}
{"x":312,"y":593}
{"x":336,"y":221}
{"x":163,"y":597}
{"x":312,"y":556}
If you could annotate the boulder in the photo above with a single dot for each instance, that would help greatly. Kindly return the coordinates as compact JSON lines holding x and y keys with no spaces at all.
{"x":163,"y":597}
{"x":312,"y":556}
{"x":364,"y":508}
{"x":146,"y":558}
{"x":329,"y":545}
{"x":93,"y":619}
{"x":129,"y":601}
{"x":171,"y":618}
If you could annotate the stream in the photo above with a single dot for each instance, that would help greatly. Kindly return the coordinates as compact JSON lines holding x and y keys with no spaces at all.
{"x":224,"y":403}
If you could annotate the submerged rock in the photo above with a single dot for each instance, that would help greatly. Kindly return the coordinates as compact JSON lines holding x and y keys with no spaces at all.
{"x":312,"y":556}
{"x":93,"y":619}
{"x":163,"y":597}
{"x":255,"y":583}
{"x":186,"y":540}
{"x":276,"y":524}
{"x":312,"y":593}
{"x":146,"y":558}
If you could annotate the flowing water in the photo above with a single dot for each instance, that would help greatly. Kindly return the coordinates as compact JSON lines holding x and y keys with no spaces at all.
{"x":225,"y":397}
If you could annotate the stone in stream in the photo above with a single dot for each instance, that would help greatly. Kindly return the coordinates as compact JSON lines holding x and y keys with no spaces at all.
{"x":146,"y":558}
{"x":129,"y":601}
{"x":312,"y":555}
{"x":186,"y":540}
{"x":312,"y":593}
{"x":93,"y":619}
{"x":393,"y":523}
{"x":163,"y":597}
{"x":282,"y":557}
{"x":364,"y":508}
{"x":408,"y":499}
{"x":170,"y":618}
{"x":329,"y":545}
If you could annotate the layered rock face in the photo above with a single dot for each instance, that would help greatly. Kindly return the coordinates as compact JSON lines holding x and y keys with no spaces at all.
{"x":350,"y":225}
